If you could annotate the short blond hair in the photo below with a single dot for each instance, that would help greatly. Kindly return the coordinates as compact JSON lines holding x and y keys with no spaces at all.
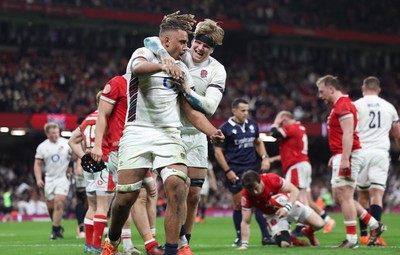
{"x":330,"y":80}
{"x":287,"y":114}
{"x":211,"y":29}
{"x":50,"y":125}
{"x":372,"y":83}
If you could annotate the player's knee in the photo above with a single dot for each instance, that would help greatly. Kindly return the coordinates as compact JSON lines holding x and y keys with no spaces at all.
{"x":193,"y":197}
{"x":170,"y":172}
{"x":283,"y":239}
{"x":129,"y":188}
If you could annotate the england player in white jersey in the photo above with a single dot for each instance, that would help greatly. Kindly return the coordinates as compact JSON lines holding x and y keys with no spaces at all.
{"x":209,"y":84}
{"x":53,"y":158}
{"x":377,"y":117}
{"x":151,"y":138}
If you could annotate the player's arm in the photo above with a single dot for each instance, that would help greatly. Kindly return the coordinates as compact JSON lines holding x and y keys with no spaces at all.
{"x":262,"y":152}
{"x":346,"y":124}
{"x":104,"y":111}
{"x":274,"y":158}
{"x":206,"y":104}
{"x":276,"y":129}
{"x":395,"y":130}
{"x":153,"y":43}
{"x":293,"y":195}
{"x":37,"y":170}
{"x":245,"y":227}
{"x":201,"y":122}
{"x":220,"y":157}
{"x":140,"y":66}
{"x":75,"y":142}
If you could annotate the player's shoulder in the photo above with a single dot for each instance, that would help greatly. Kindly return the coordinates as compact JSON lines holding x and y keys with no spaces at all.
{"x":119,"y":79}
{"x":63,"y":140}
{"x":216,"y":63}
{"x":252,"y":122}
{"x":43,"y":144}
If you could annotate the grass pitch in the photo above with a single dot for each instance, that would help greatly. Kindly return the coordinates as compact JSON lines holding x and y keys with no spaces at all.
{"x":212,"y":237}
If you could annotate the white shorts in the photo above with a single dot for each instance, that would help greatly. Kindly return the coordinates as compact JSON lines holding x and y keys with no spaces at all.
{"x":356,"y":163}
{"x":374,"y":174}
{"x":298,"y":214}
{"x":144,"y":147}
{"x":54,"y":187}
{"x":100,"y":183}
{"x":80,"y":181}
{"x":112,"y":165}
{"x":300,"y":175}
{"x":206,"y":187}
{"x":196,"y":147}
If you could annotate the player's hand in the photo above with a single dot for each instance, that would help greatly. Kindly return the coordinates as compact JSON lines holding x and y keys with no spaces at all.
{"x":232,"y":177}
{"x":217,"y":138}
{"x":96,"y":153}
{"x":167,"y":60}
{"x":172,"y":70}
{"x":265,"y":165}
{"x":282,"y":212}
{"x":40,"y":184}
{"x":330,"y":162}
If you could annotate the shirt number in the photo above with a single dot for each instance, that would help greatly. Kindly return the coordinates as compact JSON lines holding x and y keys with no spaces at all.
{"x":375,"y":119}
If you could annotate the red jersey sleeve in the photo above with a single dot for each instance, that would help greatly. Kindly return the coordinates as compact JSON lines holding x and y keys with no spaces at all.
{"x":112,"y":90}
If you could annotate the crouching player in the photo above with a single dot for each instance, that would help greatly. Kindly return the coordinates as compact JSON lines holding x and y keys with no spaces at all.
{"x":257,"y":192}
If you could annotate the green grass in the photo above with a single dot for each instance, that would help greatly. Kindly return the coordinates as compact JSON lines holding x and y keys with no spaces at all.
{"x":212,"y":237}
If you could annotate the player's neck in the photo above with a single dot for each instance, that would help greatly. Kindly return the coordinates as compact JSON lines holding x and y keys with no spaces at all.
{"x":237,"y":121}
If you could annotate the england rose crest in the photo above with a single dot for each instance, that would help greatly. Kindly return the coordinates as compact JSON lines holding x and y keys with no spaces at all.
{"x":203,"y":73}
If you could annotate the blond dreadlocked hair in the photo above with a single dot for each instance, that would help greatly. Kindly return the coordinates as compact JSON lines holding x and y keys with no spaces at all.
{"x":175,"y":21}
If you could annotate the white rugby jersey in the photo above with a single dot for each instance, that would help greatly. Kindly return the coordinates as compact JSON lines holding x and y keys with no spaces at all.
{"x":209,"y":79}
{"x":376,"y":116}
{"x":152,"y":99}
{"x":55,"y":156}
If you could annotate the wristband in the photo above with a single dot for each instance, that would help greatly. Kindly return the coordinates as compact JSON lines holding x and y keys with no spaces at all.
{"x":264,"y":156}
{"x":288,"y":206}
{"x":229,"y":170}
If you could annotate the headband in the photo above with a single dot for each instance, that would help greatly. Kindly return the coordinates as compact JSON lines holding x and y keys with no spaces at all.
{"x":205,"y":39}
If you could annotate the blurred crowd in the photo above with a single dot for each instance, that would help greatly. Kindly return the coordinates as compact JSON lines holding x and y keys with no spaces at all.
{"x":361,"y":16}
{"x":59,"y":73}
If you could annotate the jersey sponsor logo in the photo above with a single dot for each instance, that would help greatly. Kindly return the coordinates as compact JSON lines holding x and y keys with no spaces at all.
{"x":203,"y":73}
{"x":245,"y":142}
{"x":107,"y":89}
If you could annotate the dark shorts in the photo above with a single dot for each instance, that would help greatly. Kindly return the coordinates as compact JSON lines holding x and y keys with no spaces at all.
{"x":239,"y":171}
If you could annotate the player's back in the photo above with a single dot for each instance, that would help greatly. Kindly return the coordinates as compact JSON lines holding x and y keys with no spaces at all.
{"x":376,"y":116}
{"x":87,"y":128}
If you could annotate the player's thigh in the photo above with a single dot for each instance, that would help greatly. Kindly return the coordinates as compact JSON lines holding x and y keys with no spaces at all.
{"x":277,"y":224}
{"x":196,"y":147}
{"x":299,"y":212}
{"x":356,"y":164}
{"x":169,"y":151}
{"x":62,"y":186}
{"x":300,"y":175}
{"x":379,"y":168}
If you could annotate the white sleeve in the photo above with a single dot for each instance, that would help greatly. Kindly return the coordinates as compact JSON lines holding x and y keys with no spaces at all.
{"x":209,"y":102}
